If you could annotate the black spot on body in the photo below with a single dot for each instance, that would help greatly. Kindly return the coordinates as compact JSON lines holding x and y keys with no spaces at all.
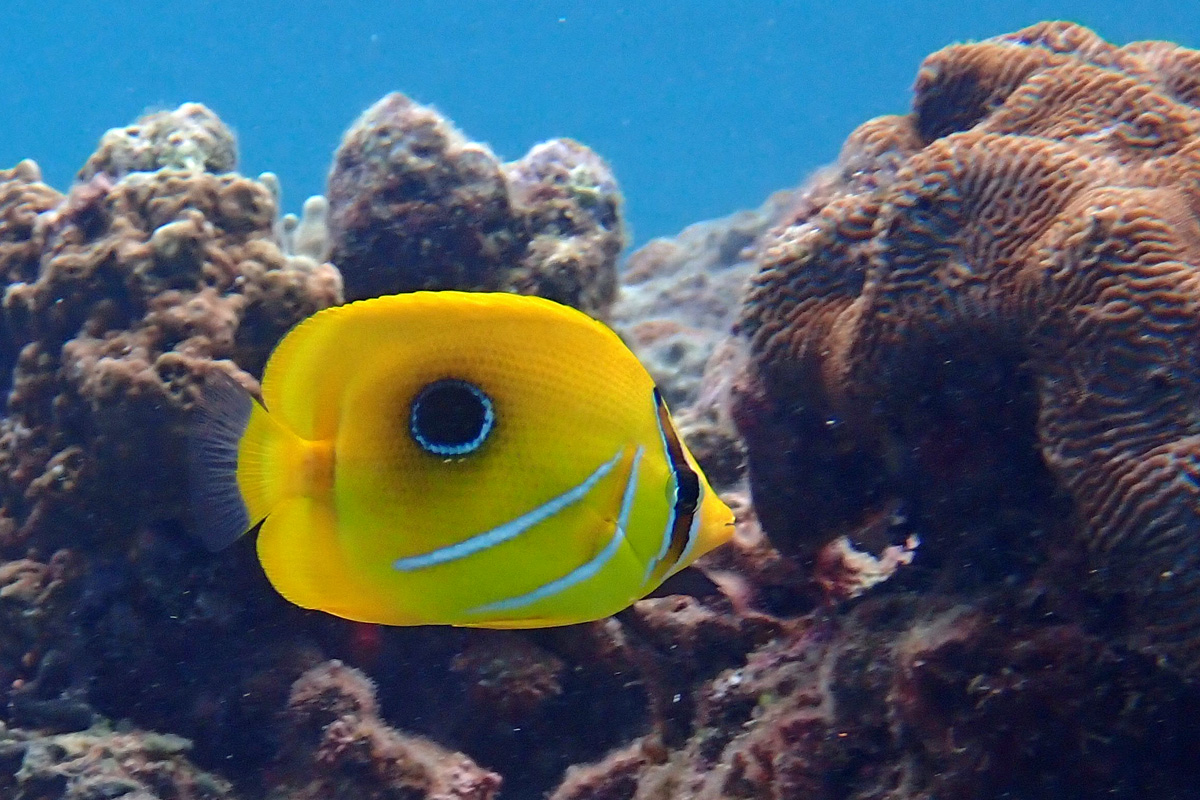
{"x":451,"y":417}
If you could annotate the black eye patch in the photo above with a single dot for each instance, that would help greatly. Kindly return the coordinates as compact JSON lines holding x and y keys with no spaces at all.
{"x":687,"y":493}
{"x":451,"y":417}
{"x":687,"y":483}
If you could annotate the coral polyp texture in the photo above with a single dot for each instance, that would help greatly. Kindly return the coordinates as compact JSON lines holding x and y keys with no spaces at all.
{"x":190,"y":138}
{"x":949,"y":386}
{"x":1036,"y":217}
{"x":415,"y":205}
{"x":337,"y":747}
{"x":122,"y":296}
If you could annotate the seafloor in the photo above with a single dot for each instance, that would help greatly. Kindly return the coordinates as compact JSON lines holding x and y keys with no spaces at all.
{"x":951,"y":385}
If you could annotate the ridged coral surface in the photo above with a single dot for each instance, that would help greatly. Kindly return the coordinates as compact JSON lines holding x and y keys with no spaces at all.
{"x":1037,"y":213}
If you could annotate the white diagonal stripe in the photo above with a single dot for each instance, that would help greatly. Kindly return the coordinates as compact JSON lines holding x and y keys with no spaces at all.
{"x":666,"y":538}
{"x":588,"y":570}
{"x":510,"y":529}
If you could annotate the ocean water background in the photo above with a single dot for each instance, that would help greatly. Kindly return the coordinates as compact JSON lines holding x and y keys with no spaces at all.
{"x":702,"y":106}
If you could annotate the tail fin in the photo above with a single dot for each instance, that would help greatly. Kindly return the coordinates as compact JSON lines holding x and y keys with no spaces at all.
{"x":237,"y":460}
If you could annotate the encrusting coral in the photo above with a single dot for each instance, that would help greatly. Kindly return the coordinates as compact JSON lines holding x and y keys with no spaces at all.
{"x":144,"y":281}
{"x":414,"y":205}
{"x":508,"y":674}
{"x":1032,"y":223}
{"x":338,"y":747}
{"x":190,"y":138}
{"x":103,"y":764}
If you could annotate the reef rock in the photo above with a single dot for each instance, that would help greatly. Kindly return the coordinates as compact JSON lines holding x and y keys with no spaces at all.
{"x":678,"y":300}
{"x":122,"y":297}
{"x":414,"y":205}
{"x":103,"y":764}
{"x":158,"y":268}
{"x":190,"y":138}
{"x":916,"y":697}
{"x":337,"y":747}
{"x":994,"y":313}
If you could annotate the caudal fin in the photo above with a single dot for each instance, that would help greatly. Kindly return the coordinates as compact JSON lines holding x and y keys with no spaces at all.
{"x":238,"y":458}
{"x":219,"y":513}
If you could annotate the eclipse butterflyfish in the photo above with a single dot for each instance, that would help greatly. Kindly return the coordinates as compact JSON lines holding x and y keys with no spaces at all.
{"x":474,"y":459}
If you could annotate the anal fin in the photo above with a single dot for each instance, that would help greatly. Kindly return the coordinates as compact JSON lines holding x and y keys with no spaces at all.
{"x":300,"y":552}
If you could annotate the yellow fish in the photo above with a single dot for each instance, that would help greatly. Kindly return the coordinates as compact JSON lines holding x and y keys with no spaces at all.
{"x":485,"y":460}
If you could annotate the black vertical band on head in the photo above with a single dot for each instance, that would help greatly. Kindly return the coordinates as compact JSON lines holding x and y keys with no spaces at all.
{"x":687,"y":484}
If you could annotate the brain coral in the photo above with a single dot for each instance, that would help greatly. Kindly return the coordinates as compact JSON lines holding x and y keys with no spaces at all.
{"x":1038,"y":212}
{"x":414,"y":205}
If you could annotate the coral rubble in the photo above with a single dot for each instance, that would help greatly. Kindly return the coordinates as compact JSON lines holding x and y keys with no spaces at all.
{"x":414,"y":205}
{"x":103,"y":764}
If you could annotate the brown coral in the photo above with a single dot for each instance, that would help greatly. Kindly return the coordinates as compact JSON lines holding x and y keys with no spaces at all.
{"x":508,"y":674}
{"x":156,"y":269}
{"x":338,"y":747}
{"x":919,"y":697}
{"x":1041,"y":228}
{"x":414,"y":205}
{"x":121,"y":297}
{"x":570,"y":206}
{"x":190,"y":138}
{"x":23,"y":199}
{"x":140,"y":285}
{"x":98,"y":763}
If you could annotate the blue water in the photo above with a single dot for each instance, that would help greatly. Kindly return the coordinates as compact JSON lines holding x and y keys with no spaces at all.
{"x":702,"y":106}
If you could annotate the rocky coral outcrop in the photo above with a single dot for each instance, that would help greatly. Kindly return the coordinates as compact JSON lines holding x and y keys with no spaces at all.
{"x":919,"y":697}
{"x":678,"y":301}
{"x":939,"y":326}
{"x":159,"y":267}
{"x":964,"y":366}
{"x":190,"y":138}
{"x":142,"y":285}
{"x":415,"y":205}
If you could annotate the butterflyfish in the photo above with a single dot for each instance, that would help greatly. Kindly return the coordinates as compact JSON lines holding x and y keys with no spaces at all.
{"x":473,"y":459}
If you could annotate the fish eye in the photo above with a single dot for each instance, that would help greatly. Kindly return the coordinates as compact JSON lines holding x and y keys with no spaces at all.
{"x":451,"y":417}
